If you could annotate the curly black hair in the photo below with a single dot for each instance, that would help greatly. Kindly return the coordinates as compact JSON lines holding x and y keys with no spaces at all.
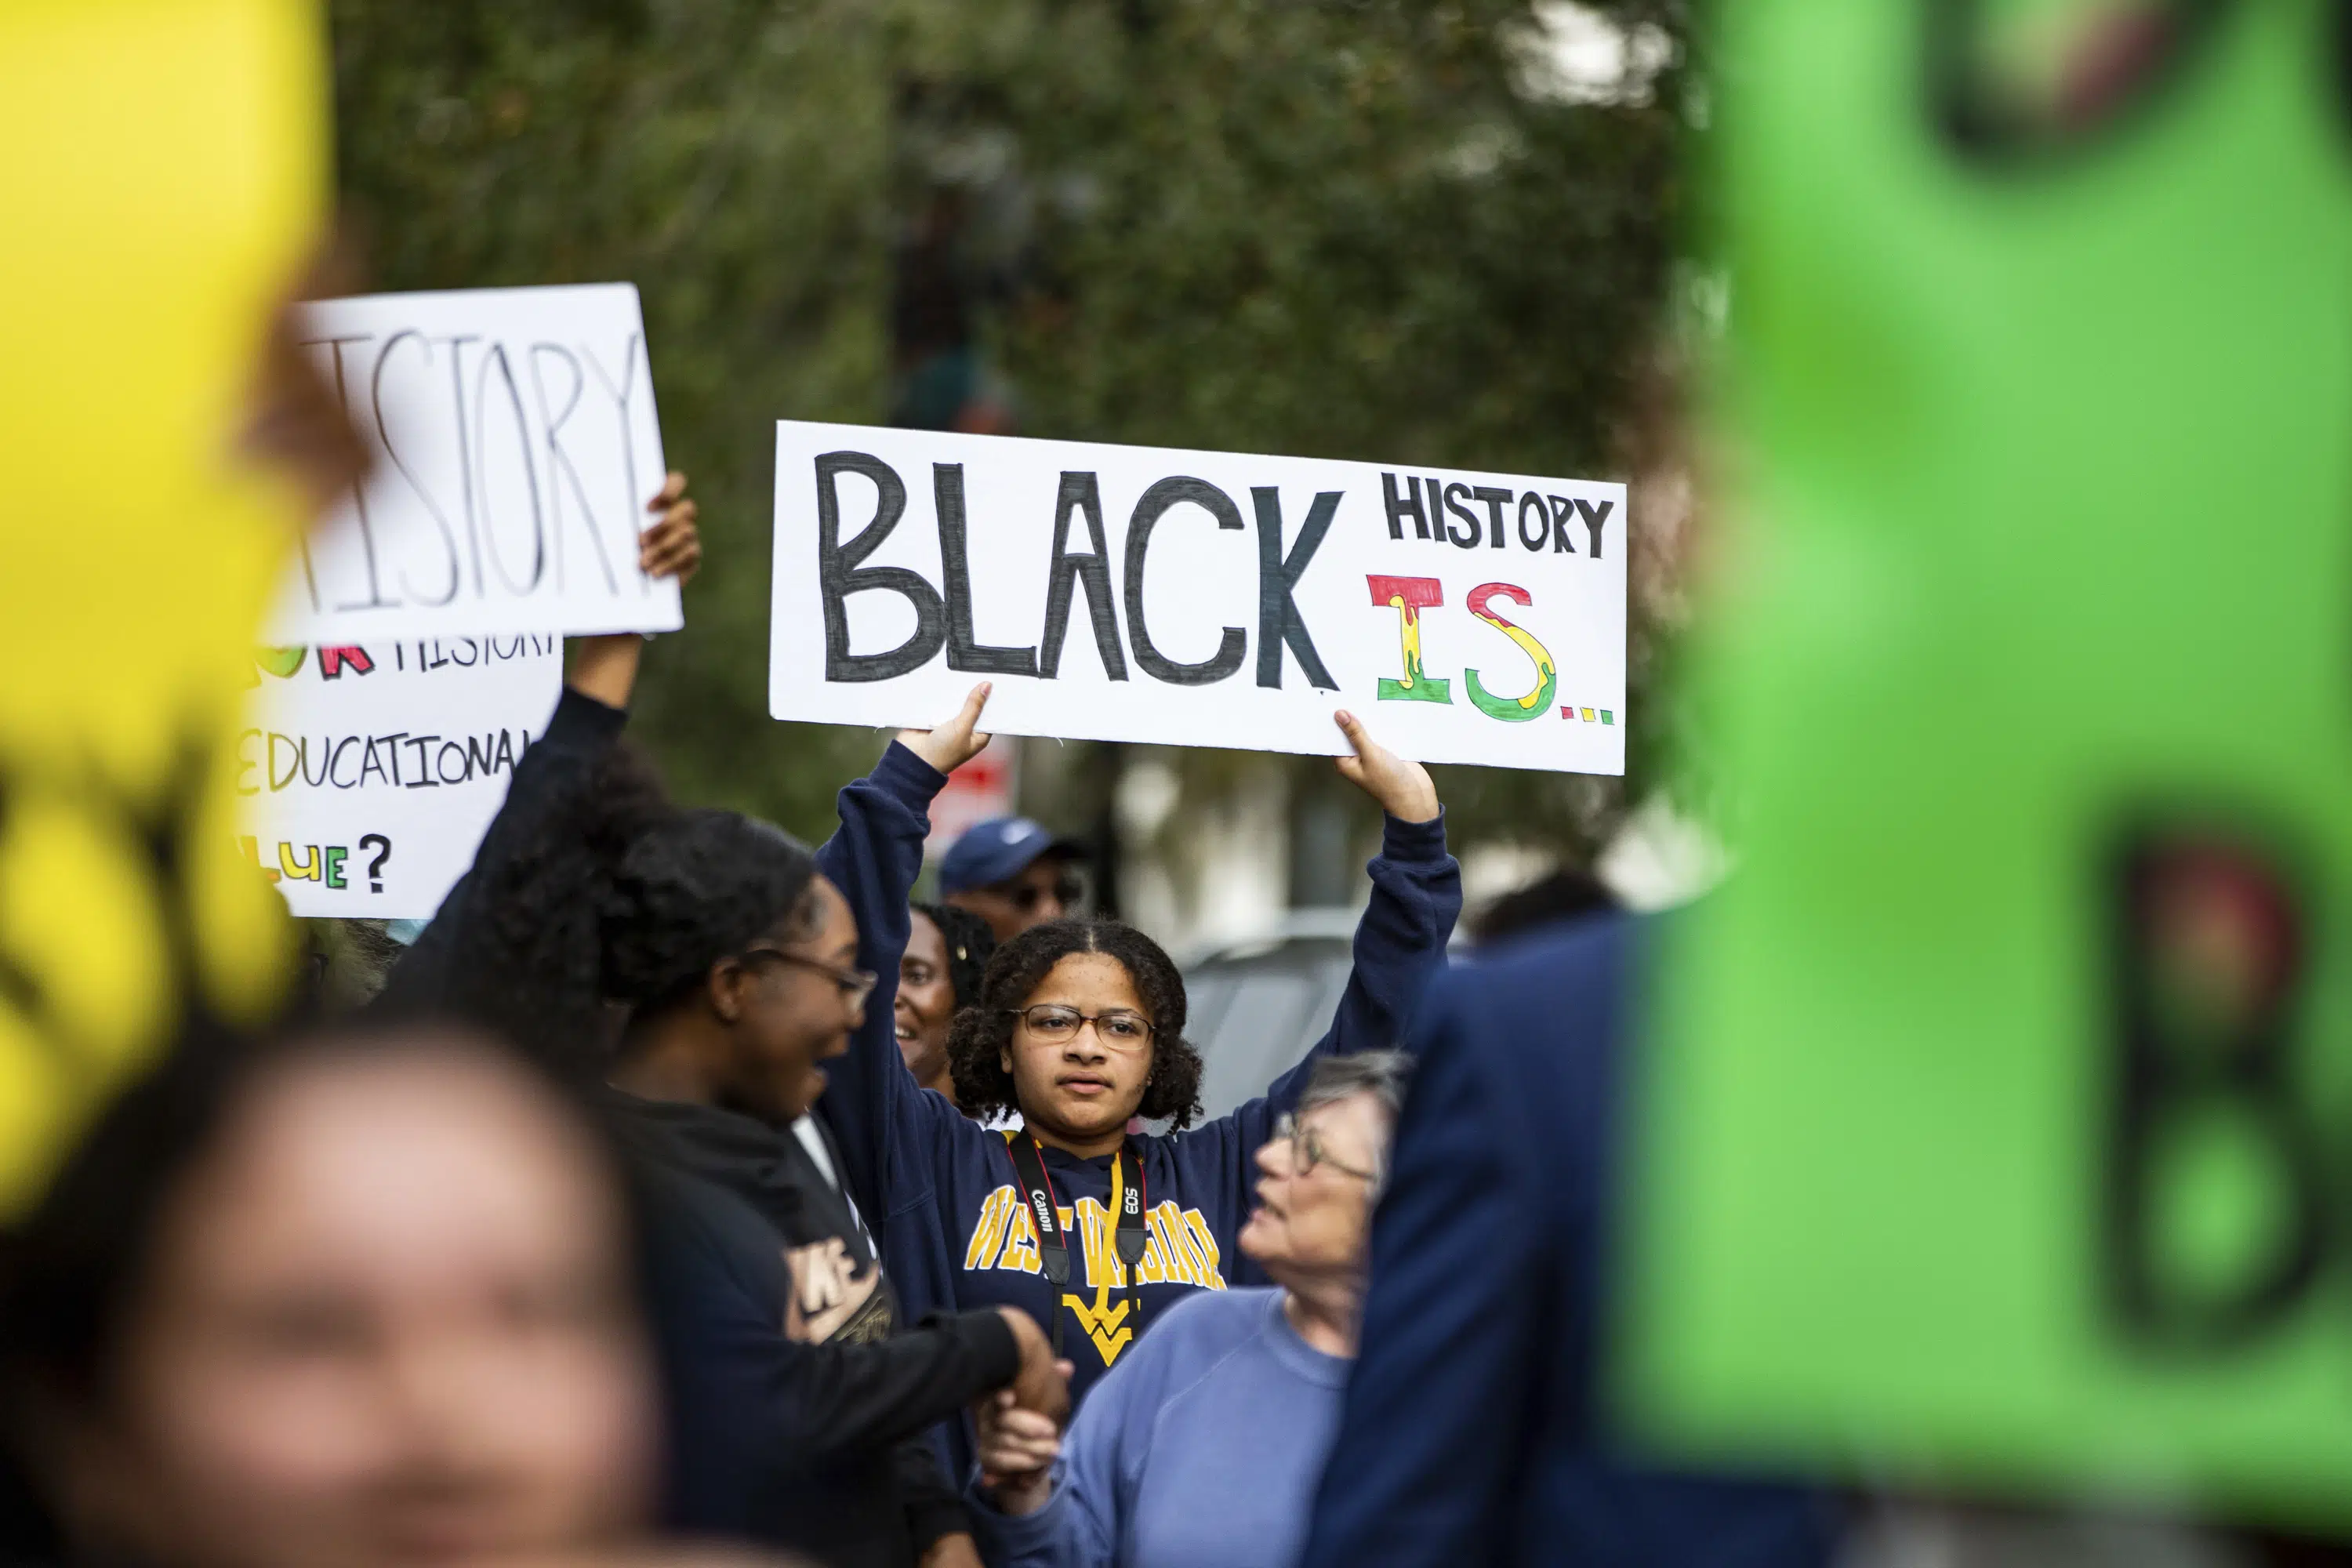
{"x":971,"y":943}
{"x":693,"y":889}
{"x":977,"y":1042}
{"x":517,"y":949}
{"x":602,"y":892}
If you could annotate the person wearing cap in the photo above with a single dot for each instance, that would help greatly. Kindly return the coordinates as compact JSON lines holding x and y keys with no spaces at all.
{"x":1079,"y":1027}
{"x":1012,"y":873}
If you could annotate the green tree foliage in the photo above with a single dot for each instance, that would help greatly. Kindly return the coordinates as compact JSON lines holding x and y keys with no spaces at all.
{"x":1340,"y":227}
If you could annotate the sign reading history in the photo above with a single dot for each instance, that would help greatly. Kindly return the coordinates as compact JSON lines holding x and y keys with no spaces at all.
{"x":515,"y":448}
{"x":1198,"y":598}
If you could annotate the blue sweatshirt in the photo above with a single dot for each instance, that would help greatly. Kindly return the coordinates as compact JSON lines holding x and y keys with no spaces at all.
{"x":1470,"y":1432}
{"x":1201,"y":1449}
{"x":941,"y":1190}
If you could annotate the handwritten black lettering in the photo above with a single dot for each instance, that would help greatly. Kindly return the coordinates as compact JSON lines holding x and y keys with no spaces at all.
{"x":964,"y":651}
{"x":1079,"y":495}
{"x":375,"y":599}
{"x":1279,"y":623}
{"x":432,"y":507}
{"x":1593,"y":518}
{"x":497,"y":357}
{"x":1156,"y":503}
{"x":559,"y":465}
{"x":458,"y":342}
{"x":839,"y":573}
{"x":620,"y":397}
{"x":1464,"y":531}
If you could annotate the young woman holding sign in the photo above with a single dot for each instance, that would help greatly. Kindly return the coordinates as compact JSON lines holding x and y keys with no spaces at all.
{"x":1080,"y":1027}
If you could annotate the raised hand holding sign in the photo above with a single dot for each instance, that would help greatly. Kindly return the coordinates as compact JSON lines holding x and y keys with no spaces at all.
{"x":1198,"y":598}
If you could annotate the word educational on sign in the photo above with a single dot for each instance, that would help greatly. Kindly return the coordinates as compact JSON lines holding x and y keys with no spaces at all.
{"x":367,"y":775}
{"x":515,"y":447}
{"x":1198,"y":598}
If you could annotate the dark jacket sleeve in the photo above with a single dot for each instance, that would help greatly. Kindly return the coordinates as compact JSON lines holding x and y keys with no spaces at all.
{"x":934,"y":1508}
{"x":750,"y":1404}
{"x":886,"y":1126}
{"x":580,"y":731}
{"x":1400,"y":944}
{"x":1454,"y":1325}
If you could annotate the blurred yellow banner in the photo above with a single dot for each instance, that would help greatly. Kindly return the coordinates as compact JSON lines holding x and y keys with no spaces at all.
{"x":165,"y":182}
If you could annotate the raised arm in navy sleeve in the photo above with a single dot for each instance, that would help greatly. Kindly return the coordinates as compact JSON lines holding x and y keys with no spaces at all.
{"x":1400,"y":945}
{"x":1471,"y":1431}
{"x":1458,"y":1305}
{"x":579,"y":732}
{"x":881,"y":1119}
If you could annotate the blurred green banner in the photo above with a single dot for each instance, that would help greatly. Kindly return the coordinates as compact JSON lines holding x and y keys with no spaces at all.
{"x":1995,"y":1119}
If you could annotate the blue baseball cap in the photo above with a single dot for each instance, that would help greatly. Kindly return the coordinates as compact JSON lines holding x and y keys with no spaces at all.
{"x":998,"y":850}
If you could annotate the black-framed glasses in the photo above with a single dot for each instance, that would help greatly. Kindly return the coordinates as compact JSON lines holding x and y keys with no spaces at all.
{"x":1067,"y":890}
{"x":855,"y":984}
{"x":1306,"y":1149}
{"x":1119,"y":1028}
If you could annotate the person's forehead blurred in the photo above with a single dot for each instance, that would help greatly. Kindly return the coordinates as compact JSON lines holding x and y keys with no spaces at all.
{"x":414,"y":1170}
{"x":1352,"y":1128}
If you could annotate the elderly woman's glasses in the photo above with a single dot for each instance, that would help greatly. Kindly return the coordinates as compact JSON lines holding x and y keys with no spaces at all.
{"x":1306,"y":1149}
{"x":855,"y":984}
{"x":1119,"y":1029}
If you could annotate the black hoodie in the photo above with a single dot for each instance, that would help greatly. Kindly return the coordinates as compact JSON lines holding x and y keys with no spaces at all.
{"x":772,"y":1440}
{"x":846,"y":1300}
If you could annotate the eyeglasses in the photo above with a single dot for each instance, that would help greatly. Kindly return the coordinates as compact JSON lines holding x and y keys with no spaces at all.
{"x":1067,"y":890}
{"x":855,"y":984}
{"x":1306,"y":1149}
{"x":1119,"y":1029}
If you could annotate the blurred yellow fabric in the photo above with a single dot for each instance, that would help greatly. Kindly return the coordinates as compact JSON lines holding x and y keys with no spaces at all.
{"x":165,"y":182}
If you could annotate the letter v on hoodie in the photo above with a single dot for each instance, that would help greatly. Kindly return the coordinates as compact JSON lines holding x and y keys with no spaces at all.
{"x":941,"y":1190}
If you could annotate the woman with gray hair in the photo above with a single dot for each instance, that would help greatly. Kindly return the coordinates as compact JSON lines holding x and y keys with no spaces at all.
{"x":1205,"y":1442}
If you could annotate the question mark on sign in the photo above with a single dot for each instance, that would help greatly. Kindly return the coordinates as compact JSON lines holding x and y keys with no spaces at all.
{"x":376,"y":867}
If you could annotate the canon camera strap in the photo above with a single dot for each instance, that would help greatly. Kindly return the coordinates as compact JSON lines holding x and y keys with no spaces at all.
{"x":1127,"y":1201}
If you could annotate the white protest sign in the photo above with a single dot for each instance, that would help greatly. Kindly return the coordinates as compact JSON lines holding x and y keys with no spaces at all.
{"x":516,"y":447}
{"x":1198,"y":598}
{"x":367,"y":775}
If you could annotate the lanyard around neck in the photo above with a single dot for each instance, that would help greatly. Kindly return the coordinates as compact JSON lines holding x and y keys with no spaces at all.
{"x":1126,"y":1201}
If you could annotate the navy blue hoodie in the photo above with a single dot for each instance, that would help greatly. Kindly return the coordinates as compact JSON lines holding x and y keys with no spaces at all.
{"x":941,"y":1188}
{"x":1471,"y":1430}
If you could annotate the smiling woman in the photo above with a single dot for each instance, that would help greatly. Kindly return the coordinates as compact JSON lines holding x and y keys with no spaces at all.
{"x":738,"y":964}
{"x":948,"y":949}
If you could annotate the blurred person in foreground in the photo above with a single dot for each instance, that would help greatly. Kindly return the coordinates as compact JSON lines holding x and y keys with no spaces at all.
{"x":947,"y":950}
{"x":1205,"y":1443}
{"x":692,"y":970}
{"x":1470,"y":1432}
{"x":355,"y":1299}
{"x":1013,"y":874}
{"x":1566,"y":894}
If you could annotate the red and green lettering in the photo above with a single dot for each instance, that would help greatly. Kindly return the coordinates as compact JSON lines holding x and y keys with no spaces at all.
{"x":1511,"y":710}
{"x":1409,"y":596}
